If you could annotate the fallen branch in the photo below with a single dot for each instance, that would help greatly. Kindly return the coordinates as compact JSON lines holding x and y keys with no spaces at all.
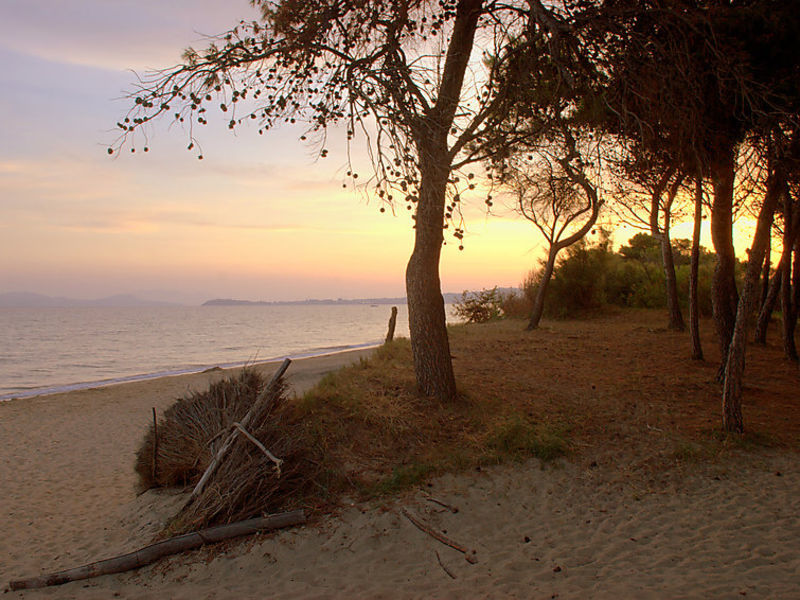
{"x":444,"y":568}
{"x":152,"y":553}
{"x":212,"y":466}
{"x":278,"y":462}
{"x":450,"y":507}
{"x":469,"y":555}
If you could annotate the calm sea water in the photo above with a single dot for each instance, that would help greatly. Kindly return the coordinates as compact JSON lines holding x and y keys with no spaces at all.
{"x":43,"y":350}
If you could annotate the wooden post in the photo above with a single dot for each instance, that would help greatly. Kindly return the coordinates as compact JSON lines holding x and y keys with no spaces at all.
{"x":392,"y":323}
{"x":155,"y":444}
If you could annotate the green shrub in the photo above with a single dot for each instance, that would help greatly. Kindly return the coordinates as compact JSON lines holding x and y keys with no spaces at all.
{"x":480,"y":307}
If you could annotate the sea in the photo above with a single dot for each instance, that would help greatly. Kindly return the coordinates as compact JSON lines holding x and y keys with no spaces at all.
{"x":49,"y":350}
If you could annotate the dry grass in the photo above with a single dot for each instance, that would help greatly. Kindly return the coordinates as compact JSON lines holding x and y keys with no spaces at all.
{"x":618,"y":389}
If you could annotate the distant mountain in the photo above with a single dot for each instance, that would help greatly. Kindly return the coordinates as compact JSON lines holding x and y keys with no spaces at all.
{"x":31,"y":300}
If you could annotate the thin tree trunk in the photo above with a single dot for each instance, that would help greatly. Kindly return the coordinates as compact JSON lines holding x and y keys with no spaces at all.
{"x":694,"y":308}
{"x":789,"y":318}
{"x":667,"y":259}
{"x":787,"y":307}
{"x":676,"y":322}
{"x":724,"y":295}
{"x":538,"y":303}
{"x":734,"y":366}
{"x":430,"y":346}
{"x":767,"y":307}
{"x":765,"y":274}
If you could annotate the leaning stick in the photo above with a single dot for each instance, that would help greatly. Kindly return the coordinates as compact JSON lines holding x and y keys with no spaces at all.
{"x":149,"y":554}
{"x":469,"y":555}
{"x":212,"y":466}
{"x":278,"y":462}
{"x":155,"y":443}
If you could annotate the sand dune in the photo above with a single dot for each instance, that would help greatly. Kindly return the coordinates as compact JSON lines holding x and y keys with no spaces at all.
{"x":569,"y":531}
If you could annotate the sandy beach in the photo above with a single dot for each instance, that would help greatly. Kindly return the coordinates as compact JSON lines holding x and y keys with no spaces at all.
{"x":577,"y":529}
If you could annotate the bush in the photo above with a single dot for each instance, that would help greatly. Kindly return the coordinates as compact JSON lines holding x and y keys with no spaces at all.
{"x":480,"y":307}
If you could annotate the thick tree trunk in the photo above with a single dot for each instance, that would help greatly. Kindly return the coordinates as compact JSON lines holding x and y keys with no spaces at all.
{"x":767,"y":307}
{"x":724,"y":296}
{"x":538,"y":302}
{"x":694,"y":308}
{"x":426,"y":315}
{"x":734,"y":367}
{"x":430,"y":346}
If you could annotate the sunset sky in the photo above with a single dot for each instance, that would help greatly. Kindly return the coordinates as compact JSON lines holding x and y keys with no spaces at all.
{"x":259,"y":218}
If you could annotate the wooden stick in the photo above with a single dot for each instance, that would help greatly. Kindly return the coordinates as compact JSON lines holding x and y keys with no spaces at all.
{"x":278,"y":462}
{"x":444,"y":568}
{"x":155,"y":443}
{"x":212,"y":466}
{"x":469,"y":555}
{"x":149,"y":554}
{"x":452,"y":509}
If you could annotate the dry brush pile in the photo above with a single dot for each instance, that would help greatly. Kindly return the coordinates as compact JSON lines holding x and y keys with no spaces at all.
{"x":247,"y":482}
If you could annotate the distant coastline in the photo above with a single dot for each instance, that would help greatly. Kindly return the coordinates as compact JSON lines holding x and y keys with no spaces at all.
{"x":449,"y":298}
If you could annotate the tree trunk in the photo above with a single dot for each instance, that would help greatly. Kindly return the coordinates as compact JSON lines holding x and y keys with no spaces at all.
{"x":765,"y":274}
{"x":765,"y":315}
{"x":694,"y":309}
{"x":734,"y":366}
{"x":538,"y":302}
{"x":724,"y":296}
{"x":787,"y":304}
{"x":430,"y":346}
{"x":668,"y":260}
{"x":426,"y":316}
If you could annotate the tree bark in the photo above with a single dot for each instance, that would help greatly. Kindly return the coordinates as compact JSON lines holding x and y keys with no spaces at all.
{"x":430,"y":346}
{"x":676,"y":322}
{"x":694,"y":308}
{"x":767,"y":306}
{"x":765,"y":274}
{"x":734,"y":366}
{"x":538,"y":302}
{"x":724,"y":295}
{"x":791,"y":235}
{"x":787,"y":301}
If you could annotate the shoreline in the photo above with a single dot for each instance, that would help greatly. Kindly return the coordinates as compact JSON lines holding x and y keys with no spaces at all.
{"x":102,"y":383}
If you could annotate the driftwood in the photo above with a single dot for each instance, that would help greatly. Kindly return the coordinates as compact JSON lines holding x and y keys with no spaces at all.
{"x":444,"y":567}
{"x":149,"y":554}
{"x":278,"y":462}
{"x":212,"y":466}
{"x":392,"y":324}
{"x":469,"y":555}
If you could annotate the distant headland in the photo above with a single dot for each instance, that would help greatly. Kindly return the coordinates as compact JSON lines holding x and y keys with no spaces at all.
{"x":448,"y":298}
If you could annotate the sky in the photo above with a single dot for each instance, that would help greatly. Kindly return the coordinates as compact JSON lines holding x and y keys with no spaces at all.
{"x":260,"y":218}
